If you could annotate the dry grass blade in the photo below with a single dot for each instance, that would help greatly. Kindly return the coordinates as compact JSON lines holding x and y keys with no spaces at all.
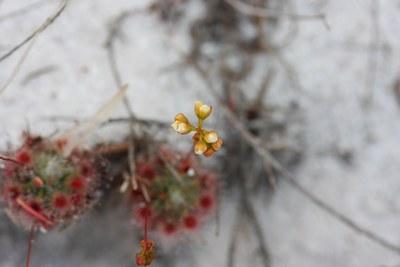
{"x":17,"y":67}
{"x":78,"y":135}
{"x":263,"y":12}
{"x":23,"y":10}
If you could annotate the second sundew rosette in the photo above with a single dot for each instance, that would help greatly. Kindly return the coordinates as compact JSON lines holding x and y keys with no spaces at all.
{"x":182,"y":195}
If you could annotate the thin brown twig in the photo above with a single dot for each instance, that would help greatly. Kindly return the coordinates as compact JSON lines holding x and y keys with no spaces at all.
{"x":257,"y":105}
{"x":9,"y":159}
{"x":233,"y":242}
{"x":271,"y":176}
{"x":248,"y":209}
{"x":24,"y":10}
{"x":263,"y":12}
{"x":149,"y":122}
{"x":372,"y":65}
{"x":38,"y":73}
{"x":112,"y":35}
{"x":247,"y":213}
{"x":17,"y":67}
{"x":269,"y":159}
{"x":111,"y":149}
{"x":291,"y":73}
{"x":251,"y":217}
{"x":265,"y":85}
{"x":144,"y":122}
{"x":291,"y":33}
{"x":39,"y":30}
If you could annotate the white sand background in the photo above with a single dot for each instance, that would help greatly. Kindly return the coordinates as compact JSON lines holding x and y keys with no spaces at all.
{"x":334,"y":69}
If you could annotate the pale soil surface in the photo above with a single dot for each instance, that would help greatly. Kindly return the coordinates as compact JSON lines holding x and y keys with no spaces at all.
{"x":336,"y":71}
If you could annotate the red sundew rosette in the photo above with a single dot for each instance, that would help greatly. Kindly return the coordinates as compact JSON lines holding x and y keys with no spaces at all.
{"x":54,"y":181}
{"x":45,"y":188}
{"x":151,"y":171}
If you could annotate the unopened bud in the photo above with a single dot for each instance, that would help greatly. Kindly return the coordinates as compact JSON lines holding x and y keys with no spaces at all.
{"x":200,"y":148}
{"x":202,"y":111}
{"x":37,"y":182}
{"x":181,"y":127}
{"x":211,"y":137}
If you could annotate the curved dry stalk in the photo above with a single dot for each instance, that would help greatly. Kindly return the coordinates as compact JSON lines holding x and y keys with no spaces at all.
{"x":233,"y":242}
{"x":17,"y":67}
{"x":112,"y":36}
{"x":114,"y":120}
{"x":38,"y":73}
{"x":9,"y":159}
{"x":144,"y":122}
{"x":247,"y":214}
{"x":23,"y":10}
{"x":39,"y":30}
{"x":292,"y":32}
{"x":263,"y":12}
{"x":373,"y":48}
{"x":248,"y":209}
{"x":269,"y":159}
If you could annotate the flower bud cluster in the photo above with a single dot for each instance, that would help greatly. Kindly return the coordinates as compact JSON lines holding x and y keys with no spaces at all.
{"x":205,"y":142}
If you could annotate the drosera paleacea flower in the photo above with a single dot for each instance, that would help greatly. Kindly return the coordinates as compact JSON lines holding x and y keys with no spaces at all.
{"x":181,"y":193}
{"x":205,"y":142}
{"x":182,"y":124}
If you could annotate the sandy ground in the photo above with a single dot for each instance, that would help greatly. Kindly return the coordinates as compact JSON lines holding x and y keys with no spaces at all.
{"x":356,"y":60}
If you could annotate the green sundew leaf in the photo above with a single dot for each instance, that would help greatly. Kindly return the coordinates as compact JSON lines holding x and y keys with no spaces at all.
{"x":42,"y":192}
{"x":61,"y":181}
{"x":158,"y":205}
{"x":49,"y":190}
{"x":40,"y":163}
{"x":190,"y":191}
{"x":27,"y":187}
{"x":54,"y":168}
{"x":47,"y":201}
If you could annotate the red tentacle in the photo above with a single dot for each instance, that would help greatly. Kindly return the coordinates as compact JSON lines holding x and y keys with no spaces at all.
{"x":9,"y":159}
{"x":40,"y":217}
